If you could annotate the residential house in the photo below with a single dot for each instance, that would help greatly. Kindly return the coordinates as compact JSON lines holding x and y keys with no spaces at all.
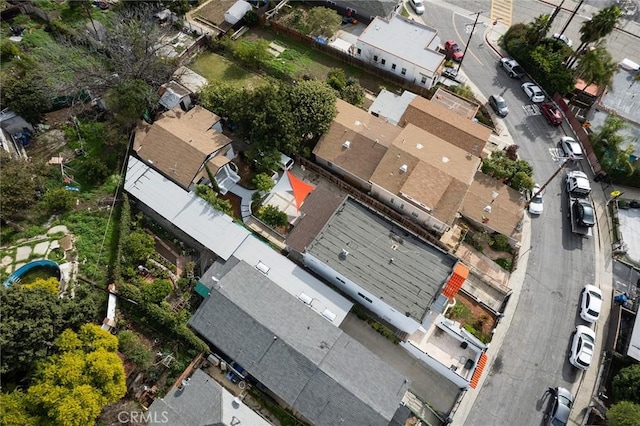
{"x":404,"y":281}
{"x":200,"y":400}
{"x":381,"y":265}
{"x":15,"y":133}
{"x":188,"y":147}
{"x":305,"y":362}
{"x":354,"y":144}
{"x":390,"y":106}
{"x":424,"y":177}
{"x":442,"y":117}
{"x":494,"y":206}
{"x":363,"y":11}
{"x":218,"y":238}
{"x":404,"y":47}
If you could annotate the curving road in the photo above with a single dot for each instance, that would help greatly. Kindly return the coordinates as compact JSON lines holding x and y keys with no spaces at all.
{"x":534,"y":352}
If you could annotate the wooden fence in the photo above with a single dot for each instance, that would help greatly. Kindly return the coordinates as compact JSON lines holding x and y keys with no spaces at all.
{"x":581,"y":134}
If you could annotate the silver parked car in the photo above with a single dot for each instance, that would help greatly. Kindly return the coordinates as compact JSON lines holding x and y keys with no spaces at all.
{"x":499,"y":105}
{"x":561,"y":408}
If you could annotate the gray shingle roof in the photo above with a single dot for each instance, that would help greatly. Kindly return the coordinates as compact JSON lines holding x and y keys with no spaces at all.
{"x":312,"y":365}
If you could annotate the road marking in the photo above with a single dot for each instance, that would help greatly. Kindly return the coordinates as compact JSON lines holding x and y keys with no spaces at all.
{"x":469,"y":52}
{"x":557,"y":154}
{"x":502,"y":9}
{"x":532,"y":109}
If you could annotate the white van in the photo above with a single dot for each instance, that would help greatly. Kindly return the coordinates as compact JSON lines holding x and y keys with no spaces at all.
{"x":286,"y":163}
{"x":418,"y":6}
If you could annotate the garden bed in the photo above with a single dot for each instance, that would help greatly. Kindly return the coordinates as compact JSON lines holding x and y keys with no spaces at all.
{"x":473,"y":316}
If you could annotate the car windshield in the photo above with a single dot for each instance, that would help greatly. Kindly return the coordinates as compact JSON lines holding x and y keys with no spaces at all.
{"x":501,"y":104}
{"x":587,"y":214}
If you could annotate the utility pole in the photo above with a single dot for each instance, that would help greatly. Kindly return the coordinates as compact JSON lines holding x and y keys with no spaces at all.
{"x":464,"y":53}
{"x":564,"y":163}
{"x":573,"y":14}
{"x":553,"y":16}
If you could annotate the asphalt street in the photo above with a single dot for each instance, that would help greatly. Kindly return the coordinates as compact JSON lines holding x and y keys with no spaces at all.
{"x":535,"y":349}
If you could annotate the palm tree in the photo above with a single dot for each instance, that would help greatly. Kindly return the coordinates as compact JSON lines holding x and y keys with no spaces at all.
{"x":596,"y":66}
{"x":600,"y":25}
{"x":537,"y":30}
{"x":609,"y":142}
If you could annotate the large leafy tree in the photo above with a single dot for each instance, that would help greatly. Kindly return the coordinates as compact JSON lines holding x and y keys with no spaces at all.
{"x":84,"y":375}
{"x":314,"y":103}
{"x":28,"y":93}
{"x":608,"y":143}
{"x":626,"y":384}
{"x":323,"y":21}
{"x":624,"y":413}
{"x":32,"y":318}
{"x":19,"y":187}
{"x":129,"y":99}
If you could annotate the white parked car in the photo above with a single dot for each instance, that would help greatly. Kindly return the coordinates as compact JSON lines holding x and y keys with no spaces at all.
{"x":582,"y":347}
{"x":590,"y":303}
{"x":533,"y":92}
{"x":418,"y":6}
{"x":535,"y":203}
{"x":563,"y":38}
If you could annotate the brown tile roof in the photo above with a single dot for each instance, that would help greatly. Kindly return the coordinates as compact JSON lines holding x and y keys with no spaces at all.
{"x":438,"y":173}
{"x":369,"y":138}
{"x":507,"y":209}
{"x":178,"y":143}
{"x":448,"y":125}
{"x":317,"y":209}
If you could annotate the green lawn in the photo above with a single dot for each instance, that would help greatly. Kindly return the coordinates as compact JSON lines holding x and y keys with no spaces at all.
{"x":216,"y":68}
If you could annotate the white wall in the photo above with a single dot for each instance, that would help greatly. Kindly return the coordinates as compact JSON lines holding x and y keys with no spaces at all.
{"x":375,"y":305}
{"x":406,"y":207}
{"x":436,"y":365}
{"x":413,"y":74}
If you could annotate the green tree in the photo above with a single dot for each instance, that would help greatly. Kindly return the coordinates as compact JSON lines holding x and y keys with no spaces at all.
{"x":521,"y":181}
{"x":72,"y":386}
{"x":314,"y":103}
{"x":272,"y":216}
{"x":27,"y":93}
{"x":626,"y":384}
{"x":58,"y":200}
{"x":131,"y":345}
{"x":337,"y":79}
{"x":599,"y":26}
{"x":537,"y":30}
{"x":624,"y":413}
{"x":596,"y":66}
{"x":19,"y":186}
{"x":157,"y":290}
{"x":263,"y":182}
{"x":32,"y":318}
{"x":137,"y":247}
{"x":129,"y":99}
{"x":354,"y":94}
{"x":516,"y":174}
{"x":608,"y":145}
{"x":323,"y":21}
{"x":222,"y":99}
{"x":265,"y":161}
{"x":251,"y":53}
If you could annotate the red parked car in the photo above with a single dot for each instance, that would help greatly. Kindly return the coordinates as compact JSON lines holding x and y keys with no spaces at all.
{"x":551,"y":113}
{"x":453,"y":50}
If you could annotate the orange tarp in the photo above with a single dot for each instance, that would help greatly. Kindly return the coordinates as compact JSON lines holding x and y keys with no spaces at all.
{"x":460,"y":274}
{"x":482,"y":362}
{"x":300,"y":189}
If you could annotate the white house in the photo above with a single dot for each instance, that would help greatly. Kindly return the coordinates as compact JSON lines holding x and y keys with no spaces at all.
{"x":404,"y":47}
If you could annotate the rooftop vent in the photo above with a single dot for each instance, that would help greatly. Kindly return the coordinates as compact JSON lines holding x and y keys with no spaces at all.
{"x":445,"y":159}
{"x":329,"y":315}
{"x":346,"y":144}
{"x":305,"y":298}
{"x":262,"y":268}
{"x":419,"y":146}
{"x":403,"y":168}
{"x":344,"y":254}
